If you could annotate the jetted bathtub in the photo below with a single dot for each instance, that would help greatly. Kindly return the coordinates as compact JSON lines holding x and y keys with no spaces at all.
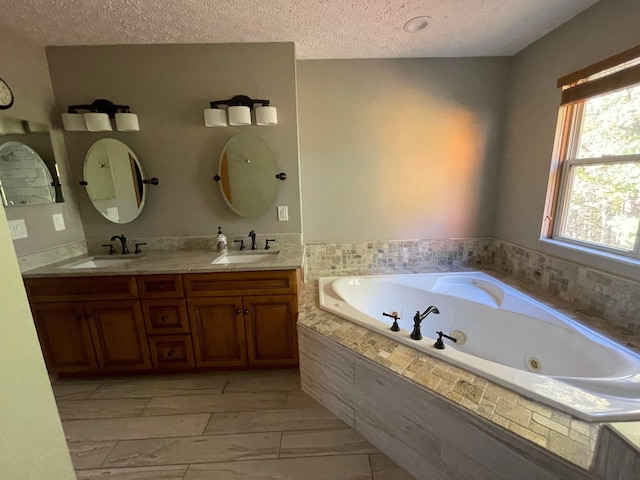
{"x":504,"y":336}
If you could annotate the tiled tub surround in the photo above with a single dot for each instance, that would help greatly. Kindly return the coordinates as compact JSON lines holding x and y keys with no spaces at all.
{"x":577,"y":372}
{"x":395,"y":256}
{"x":603,"y":294}
{"x":429,"y":415}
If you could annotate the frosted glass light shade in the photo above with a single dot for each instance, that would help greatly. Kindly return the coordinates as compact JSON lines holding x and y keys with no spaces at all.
{"x":97,"y":122}
{"x":127,"y":122}
{"x":239,"y":115}
{"x":215,"y":117}
{"x":266,"y":116}
{"x":74,"y":122}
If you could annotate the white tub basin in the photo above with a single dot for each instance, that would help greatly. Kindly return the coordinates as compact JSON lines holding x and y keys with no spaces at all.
{"x":249,"y":257}
{"x":100,"y":262}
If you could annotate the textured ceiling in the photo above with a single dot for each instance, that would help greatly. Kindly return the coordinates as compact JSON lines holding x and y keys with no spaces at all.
{"x":319,"y":28}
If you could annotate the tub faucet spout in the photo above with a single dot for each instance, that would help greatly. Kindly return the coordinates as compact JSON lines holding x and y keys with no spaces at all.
{"x":417,"y":319}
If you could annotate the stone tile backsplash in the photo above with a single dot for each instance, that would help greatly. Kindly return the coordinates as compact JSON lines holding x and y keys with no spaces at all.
{"x":605,"y":295}
{"x":395,"y":256}
{"x":600,"y":293}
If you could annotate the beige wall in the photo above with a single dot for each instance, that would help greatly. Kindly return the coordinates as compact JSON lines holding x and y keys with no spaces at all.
{"x":32,"y":443}
{"x":169,"y":86}
{"x":400,"y":148}
{"x":24,"y":68}
{"x":607,"y":28}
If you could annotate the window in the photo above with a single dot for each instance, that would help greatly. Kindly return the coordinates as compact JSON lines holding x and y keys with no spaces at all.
{"x":594,"y":190}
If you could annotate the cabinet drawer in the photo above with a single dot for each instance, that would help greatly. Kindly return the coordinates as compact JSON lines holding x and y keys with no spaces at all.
{"x":171,"y":351}
{"x":61,"y":289}
{"x":240,"y":283}
{"x":160,"y":286}
{"x":165,"y":316}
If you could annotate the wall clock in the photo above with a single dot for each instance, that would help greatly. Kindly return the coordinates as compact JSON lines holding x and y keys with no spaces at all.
{"x":6,"y":95}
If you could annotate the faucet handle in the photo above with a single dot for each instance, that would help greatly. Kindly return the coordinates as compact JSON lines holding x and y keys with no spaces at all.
{"x":111,"y":249}
{"x":266,"y":243}
{"x":138,"y":247}
{"x":241,"y":243}
{"x":440,"y":344}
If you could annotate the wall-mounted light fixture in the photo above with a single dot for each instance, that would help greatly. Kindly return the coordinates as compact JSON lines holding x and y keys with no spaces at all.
{"x":239,"y":112}
{"x":97,"y":119}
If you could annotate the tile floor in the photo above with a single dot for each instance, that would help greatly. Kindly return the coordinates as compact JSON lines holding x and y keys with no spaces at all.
{"x":223,"y":426}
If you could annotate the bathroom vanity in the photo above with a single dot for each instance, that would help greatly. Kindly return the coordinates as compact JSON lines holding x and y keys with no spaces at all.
{"x":167,"y":311}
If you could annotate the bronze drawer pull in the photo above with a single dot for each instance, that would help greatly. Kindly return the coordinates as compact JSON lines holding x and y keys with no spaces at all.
{"x":246,"y":312}
{"x":164,"y":318}
{"x":159,"y":286}
{"x":237,"y":311}
{"x":170,"y":353}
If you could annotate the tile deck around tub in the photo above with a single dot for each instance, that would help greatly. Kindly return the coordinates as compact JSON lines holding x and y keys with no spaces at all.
{"x":556,"y":431}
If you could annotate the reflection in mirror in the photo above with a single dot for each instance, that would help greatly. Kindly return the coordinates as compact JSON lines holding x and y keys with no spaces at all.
{"x":114,"y":180}
{"x":247,"y":173}
{"x":28,"y":171}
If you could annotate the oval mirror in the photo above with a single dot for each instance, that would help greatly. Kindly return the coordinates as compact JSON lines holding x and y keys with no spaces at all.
{"x":247,"y":173}
{"x":24,"y":177}
{"x":114,"y":180}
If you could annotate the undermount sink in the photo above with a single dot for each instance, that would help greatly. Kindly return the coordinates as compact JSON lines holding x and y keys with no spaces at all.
{"x":100,"y":262}
{"x":249,"y":257}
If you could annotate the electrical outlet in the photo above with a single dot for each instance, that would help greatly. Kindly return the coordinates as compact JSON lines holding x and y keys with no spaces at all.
{"x":58,"y":222}
{"x":283,"y":213}
{"x":18,"y":229}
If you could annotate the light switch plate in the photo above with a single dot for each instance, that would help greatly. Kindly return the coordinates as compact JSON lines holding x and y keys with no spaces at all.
{"x":58,"y":222}
{"x":283,"y":213}
{"x":18,"y":229}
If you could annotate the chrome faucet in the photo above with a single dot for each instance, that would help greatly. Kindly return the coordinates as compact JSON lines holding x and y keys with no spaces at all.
{"x":417,"y":319}
{"x":123,"y":240}
{"x":252,"y":234}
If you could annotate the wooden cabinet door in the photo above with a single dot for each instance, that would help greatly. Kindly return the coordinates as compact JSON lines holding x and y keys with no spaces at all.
{"x":270,"y":324}
{"x":64,"y":336}
{"x":217,"y":329}
{"x":119,"y":336}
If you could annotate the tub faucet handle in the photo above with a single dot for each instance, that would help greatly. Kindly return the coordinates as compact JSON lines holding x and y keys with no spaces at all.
{"x":439,"y":343}
{"x":395,"y":327}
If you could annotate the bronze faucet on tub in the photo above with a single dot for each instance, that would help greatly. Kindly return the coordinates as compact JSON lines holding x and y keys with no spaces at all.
{"x":417,"y":319}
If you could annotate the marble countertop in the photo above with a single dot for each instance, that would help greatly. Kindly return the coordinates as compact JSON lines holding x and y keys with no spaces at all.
{"x":174,"y":261}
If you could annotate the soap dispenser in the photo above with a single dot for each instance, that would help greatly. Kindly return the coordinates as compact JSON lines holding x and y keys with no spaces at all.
{"x":221,"y":240}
